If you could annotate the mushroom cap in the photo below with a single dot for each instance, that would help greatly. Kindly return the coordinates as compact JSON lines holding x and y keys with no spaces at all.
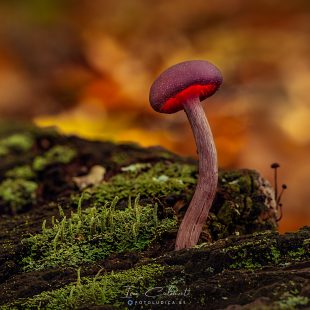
{"x":194,"y":78}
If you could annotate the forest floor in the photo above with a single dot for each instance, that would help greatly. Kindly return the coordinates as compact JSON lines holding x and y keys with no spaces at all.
{"x":92,"y":225}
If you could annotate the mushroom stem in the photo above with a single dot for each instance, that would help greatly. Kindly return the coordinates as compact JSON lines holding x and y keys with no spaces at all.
{"x":198,"y":210}
{"x":276,"y":183}
{"x":281,"y":193}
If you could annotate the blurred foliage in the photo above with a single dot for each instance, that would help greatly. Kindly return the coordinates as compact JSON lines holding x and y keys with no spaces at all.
{"x":17,"y":194}
{"x":15,"y":142}
{"x":59,"y":154}
{"x":86,"y":67}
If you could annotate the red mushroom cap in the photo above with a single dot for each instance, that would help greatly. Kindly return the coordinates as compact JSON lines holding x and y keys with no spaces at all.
{"x":195,"y":78}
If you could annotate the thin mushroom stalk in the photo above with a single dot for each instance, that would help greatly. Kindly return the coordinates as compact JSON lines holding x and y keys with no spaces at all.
{"x":201,"y":202}
{"x":183,"y":87}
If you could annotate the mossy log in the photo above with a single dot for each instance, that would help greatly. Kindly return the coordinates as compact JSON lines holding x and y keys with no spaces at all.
{"x":258,"y":271}
{"x":72,"y":207}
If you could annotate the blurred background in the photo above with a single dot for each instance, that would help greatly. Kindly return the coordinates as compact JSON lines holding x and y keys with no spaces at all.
{"x":86,"y":67}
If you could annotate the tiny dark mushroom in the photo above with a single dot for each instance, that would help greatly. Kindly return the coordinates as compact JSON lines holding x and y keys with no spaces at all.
{"x":275,"y":166}
{"x":183,"y":87}
{"x":279,"y":204}
{"x":277,"y":197}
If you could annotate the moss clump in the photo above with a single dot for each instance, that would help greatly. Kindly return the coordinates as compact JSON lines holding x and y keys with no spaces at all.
{"x":93,"y":234}
{"x":267,"y":252}
{"x":58,"y":154}
{"x":109,"y":289}
{"x":3,"y":150}
{"x":236,"y":210}
{"x":290,"y":301}
{"x":120,"y":158}
{"x":21,"y":172}
{"x":136,"y":167}
{"x":243,"y":205}
{"x":18,"y":193}
{"x":160,"y":180}
{"x":243,"y":256}
{"x":298,"y":254}
{"x":246,"y":264}
{"x":16,"y":142}
{"x":229,"y":211}
{"x":235,"y":182}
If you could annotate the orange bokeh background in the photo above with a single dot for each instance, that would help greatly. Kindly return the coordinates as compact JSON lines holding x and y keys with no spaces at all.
{"x":86,"y":67}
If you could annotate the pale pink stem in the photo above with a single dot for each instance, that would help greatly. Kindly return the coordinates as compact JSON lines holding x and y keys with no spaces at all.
{"x":198,"y":210}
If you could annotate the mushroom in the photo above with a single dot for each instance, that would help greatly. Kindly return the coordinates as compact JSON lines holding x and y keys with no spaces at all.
{"x":182,"y":87}
{"x":275,"y":166}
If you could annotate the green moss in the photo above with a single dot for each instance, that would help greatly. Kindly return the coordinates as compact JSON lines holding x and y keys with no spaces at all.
{"x":240,"y":206}
{"x":266,"y":252}
{"x":236,"y":182}
{"x":306,"y":242}
{"x":229,"y":212}
{"x":298,"y":254}
{"x":3,"y":150}
{"x":160,"y":180}
{"x":291,"y":302}
{"x":17,"y":193}
{"x":120,"y":158}
{"x":165,"y":155}
{"x":99,"y":290}
{"x":275,"y":254}
{"x":58,"y":154}
{"x":22,"y":172}
{"x":16,"y":142}
{"x":136,"y":167}
{"x":157,"y":181}
{"x":246,"y":263}
{"x":93,"y":234}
